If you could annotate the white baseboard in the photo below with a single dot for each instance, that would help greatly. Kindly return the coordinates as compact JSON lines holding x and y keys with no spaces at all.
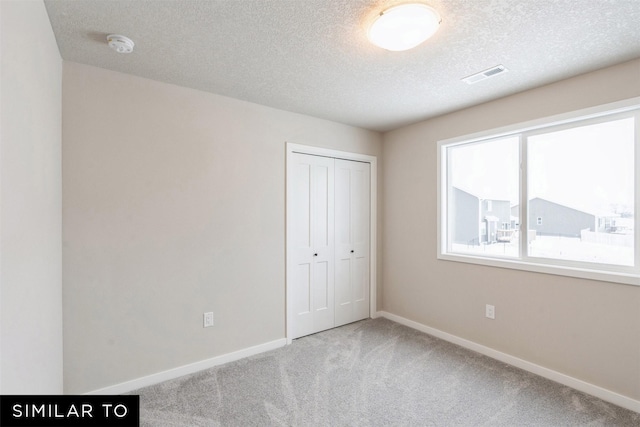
{"x":189,"y":369}
{"x":594,"y":390}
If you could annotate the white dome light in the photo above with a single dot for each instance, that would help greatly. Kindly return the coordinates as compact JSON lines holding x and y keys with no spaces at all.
{"x":404,"y":27}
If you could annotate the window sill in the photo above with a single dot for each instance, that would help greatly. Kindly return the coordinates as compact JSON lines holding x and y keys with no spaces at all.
{"x":517,"y":264}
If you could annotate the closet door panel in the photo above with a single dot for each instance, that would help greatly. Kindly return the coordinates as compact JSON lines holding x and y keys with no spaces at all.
{"x":322,"y":214}
{"x":360,"y":220}
{"x":312,"y":216}
{"x":322,"y":204}
{"x":302,"y":298}
{"x":302,"y":269}
{"x":352,"y":241}
{"x":343,"y":243}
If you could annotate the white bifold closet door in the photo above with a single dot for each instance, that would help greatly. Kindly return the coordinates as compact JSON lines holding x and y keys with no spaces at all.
{"x":312,"y":293}
{"x":351,"y":241}
{"x":329,"y":278}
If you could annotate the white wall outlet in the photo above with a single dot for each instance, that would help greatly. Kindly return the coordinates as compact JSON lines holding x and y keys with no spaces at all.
{"x":208,"y":319}
{"x":490,"y":311}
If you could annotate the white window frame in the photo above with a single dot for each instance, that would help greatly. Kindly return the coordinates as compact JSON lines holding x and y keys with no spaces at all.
{"x":617,"y":274}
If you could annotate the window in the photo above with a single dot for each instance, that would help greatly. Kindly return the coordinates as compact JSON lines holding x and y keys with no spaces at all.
{"x":556,"y":195}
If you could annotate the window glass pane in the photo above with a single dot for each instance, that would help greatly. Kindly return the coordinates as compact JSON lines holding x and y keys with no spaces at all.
{"x":581,"y":193}
{"x":483,"y":182}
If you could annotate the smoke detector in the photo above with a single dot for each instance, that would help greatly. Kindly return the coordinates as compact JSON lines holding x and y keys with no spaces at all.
{"x":120,"y":44}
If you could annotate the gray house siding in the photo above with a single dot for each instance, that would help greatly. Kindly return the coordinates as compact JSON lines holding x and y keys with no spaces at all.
{"x":497,"y":208}
{"x":548,"y":218}
{"x":475,"y":220}
{"x":496,"y":215}
{"x":466,"y":219}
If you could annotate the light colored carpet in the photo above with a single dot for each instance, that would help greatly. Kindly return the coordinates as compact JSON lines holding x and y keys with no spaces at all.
{"x":372,"y":373}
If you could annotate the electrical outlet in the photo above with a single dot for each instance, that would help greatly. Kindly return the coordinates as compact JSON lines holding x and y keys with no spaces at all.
{"x":490,"y":311}
{"x":208,"y":319}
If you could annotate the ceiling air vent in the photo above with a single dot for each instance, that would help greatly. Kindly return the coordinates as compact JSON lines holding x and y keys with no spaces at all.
{"x":482,"y":75}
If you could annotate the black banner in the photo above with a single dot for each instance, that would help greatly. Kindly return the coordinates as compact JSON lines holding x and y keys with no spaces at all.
{"x":69,"y":410}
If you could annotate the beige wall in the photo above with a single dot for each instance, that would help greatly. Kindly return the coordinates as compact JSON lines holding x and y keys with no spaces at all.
{"x":173,"y":203}
{"x":589,"y":330}
{"x":30,"y":212}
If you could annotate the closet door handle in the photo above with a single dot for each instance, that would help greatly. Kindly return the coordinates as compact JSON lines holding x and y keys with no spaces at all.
{"x":352,"y":251}
{"x":315,"y":254}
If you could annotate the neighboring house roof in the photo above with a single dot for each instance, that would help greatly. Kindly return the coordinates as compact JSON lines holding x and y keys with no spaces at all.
{"x":466,"y":192}
{"x":598,"y":213}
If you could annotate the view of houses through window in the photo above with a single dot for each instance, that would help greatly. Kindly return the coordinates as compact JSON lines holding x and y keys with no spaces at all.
{"x":579,"y":192}
{"x":580,"y":183}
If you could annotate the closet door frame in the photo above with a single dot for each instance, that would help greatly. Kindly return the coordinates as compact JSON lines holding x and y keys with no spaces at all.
{"x":373,"y":201}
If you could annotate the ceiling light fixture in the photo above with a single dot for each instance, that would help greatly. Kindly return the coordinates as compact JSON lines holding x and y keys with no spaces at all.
{"x":404,"y":26}
{"x":120,"y":44}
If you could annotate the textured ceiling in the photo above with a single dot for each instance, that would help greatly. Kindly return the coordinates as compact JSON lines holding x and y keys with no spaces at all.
{"x":313,"y":57}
